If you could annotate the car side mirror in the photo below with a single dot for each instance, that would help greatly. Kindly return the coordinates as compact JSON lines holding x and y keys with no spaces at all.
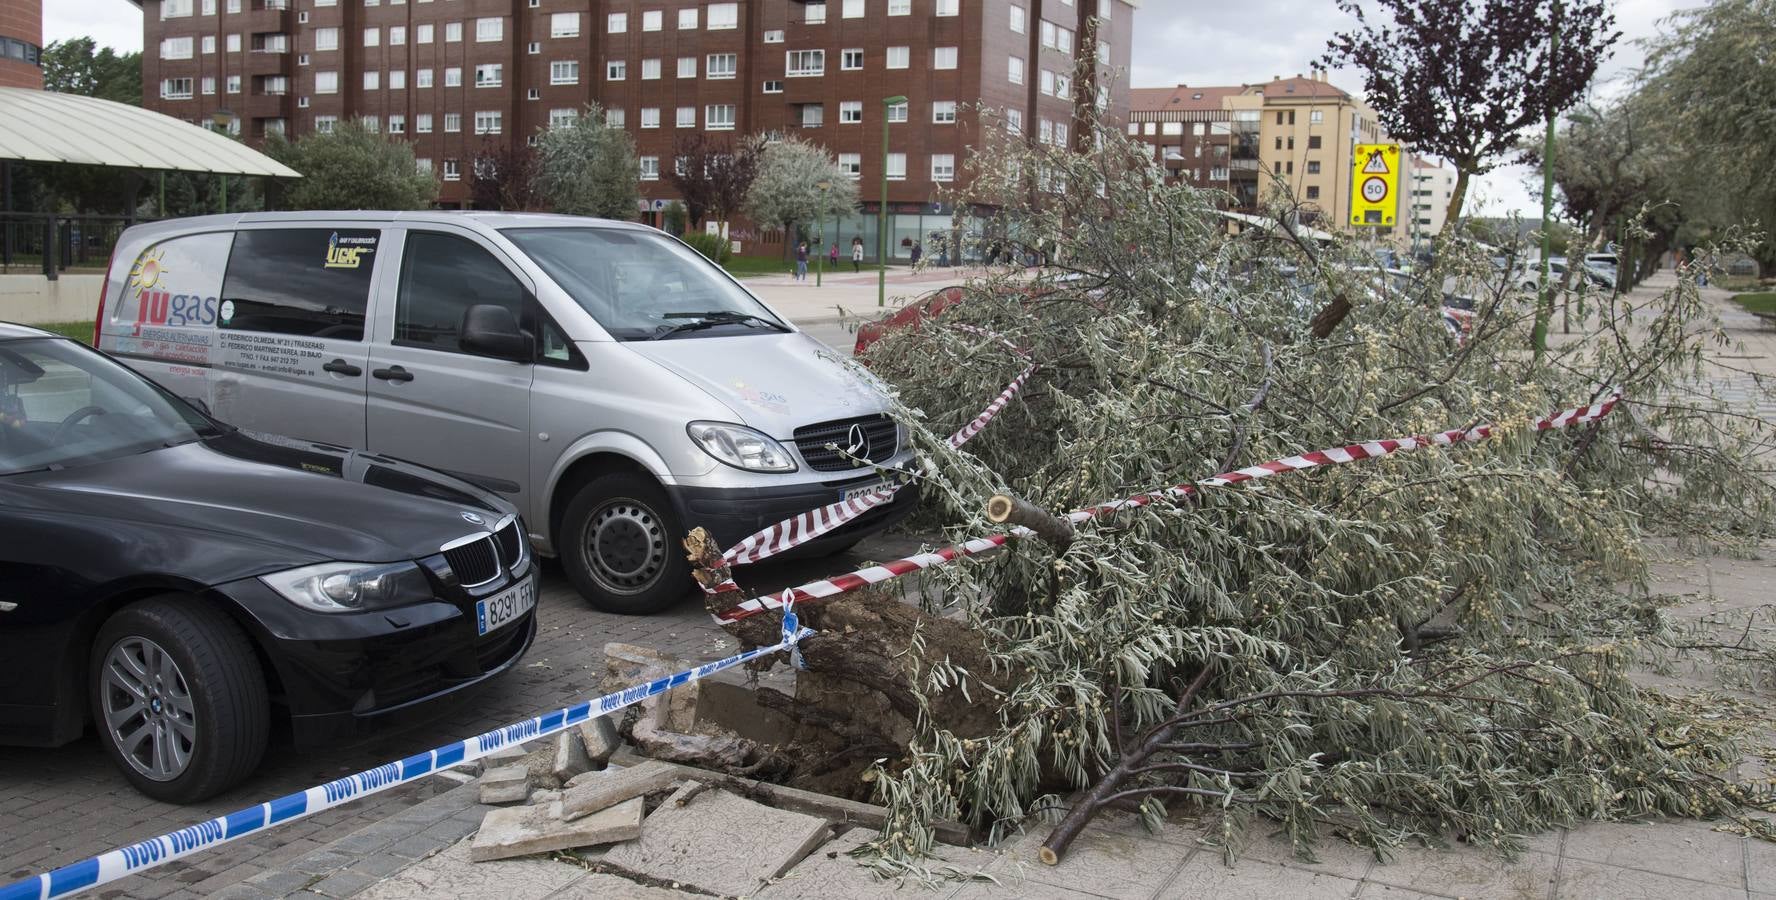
{"x":493,"y":331}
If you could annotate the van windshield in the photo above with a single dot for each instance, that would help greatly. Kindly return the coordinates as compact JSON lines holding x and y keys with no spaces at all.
{"x":643,"y":286}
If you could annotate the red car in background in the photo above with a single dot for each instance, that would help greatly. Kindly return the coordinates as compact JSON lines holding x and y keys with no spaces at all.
{"x":908,"y":316}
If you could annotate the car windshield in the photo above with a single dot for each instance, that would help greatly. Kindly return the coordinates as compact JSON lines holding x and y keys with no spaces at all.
{"x":640,"y":285}
{"x":63,"y":405}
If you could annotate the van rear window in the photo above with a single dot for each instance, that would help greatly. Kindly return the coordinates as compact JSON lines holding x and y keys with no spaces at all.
{"x":307,"y":281}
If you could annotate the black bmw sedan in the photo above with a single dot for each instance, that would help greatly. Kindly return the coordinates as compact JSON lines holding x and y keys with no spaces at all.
{"x":175,"y":582}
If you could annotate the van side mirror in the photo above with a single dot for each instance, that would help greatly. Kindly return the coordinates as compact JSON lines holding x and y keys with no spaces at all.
{"x":493,"y":331}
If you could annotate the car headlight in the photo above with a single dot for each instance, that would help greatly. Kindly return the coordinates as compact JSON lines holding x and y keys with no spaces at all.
{"x":351,"y":587}
{"x":741,"y":447}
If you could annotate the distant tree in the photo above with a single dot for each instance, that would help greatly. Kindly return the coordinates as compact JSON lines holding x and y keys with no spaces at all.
{"x":352,"y":168}
{"x":588,"y":168}
{"x":505,"y":177}
{"x":76,"y":66}
{"x":675,"y":218}
{"x":787,"y":189}
{"x":1461,"y":79}
{"x":713,"y":177}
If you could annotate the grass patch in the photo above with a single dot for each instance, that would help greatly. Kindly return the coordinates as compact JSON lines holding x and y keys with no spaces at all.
{"x":80,"y":331}
{"x":1762,"y":302}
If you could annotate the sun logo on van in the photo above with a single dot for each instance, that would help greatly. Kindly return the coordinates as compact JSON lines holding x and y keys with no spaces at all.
{"x":147,"y":271}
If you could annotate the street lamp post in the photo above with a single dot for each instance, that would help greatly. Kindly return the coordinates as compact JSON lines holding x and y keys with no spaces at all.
{"x":820,"y":254}
{"x":888,"y":104}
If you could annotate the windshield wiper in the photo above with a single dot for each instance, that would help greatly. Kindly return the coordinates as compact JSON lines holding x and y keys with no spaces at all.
{"x":700,"y":320}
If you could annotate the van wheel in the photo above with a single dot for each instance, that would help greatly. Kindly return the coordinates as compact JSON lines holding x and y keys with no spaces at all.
{"x":620,"y":545}
{"x":178,"y":699}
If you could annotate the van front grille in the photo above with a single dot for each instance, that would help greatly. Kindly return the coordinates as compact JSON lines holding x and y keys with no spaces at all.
{"x":475,"y":562}
{"x":878,"y":435}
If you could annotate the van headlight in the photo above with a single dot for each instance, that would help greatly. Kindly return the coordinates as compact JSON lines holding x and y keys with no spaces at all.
{"x":741,"y":447}
{"x":351,"y":587}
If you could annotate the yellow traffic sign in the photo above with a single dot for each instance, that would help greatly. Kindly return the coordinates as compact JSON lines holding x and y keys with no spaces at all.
{"x":1375,"y":179}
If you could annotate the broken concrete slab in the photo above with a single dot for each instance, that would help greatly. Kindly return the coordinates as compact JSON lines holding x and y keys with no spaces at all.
{"x":541,"y":765}
{"x":570,"y":756}
{"x":451,"y":874}
{"x":627,"y":665}
{"x":594,"y":775}
{"x":599,"y":886}
{"x":719,"y":842}
{"x":830,"y":871}
{"x":599,"y":737}
{"x":506,"y":833}
{"x":506,"y":784}
{"x":616,"y":786}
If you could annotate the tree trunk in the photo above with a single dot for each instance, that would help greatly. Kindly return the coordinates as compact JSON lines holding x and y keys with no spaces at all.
{"x":1457,"y":197}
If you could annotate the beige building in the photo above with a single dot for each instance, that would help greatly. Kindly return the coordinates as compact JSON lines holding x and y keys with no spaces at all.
{"x":1431,"y":184}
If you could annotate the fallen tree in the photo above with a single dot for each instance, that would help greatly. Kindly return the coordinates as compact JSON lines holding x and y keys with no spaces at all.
{"x":1418,"y":647}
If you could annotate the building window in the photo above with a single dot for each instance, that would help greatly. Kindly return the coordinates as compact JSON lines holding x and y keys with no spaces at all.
{"x":852,"y":9}
{"x":653,"y":20}
{"x":650,"y":117}
{"x":490,"y":29}
{"x":1048,"y":35}
{"x":326,"y":82}
{"x":422,"y":34}
{"x":1017,"y":19}
{"x":1172,"y":128}
{"x":209,"y":43}
{"x":372,"y":37}
{"x":899,"y":57}
{"x":324,"y":124}
{"x":453,"y":76}
{"x":616,"y":70}
{"x":943,"y":112}
{"x":813,"y":115}
{"x":452,"y":34}
{"x":175,"y":9}
{"x":615,"y":23}
{"x":209,"y":85}
{"x":562,"y":118}
{"x":724,"y":16}
{"x":176,"y":48}
{"x":372,"y":124}
{"x":850,"y":112}
{"x":722,"y":65}
{"x":687,"y":117}
{"x":687,"y":67}
{"x":397,"y":35}
{"x":900,"y":7}
{"x":564,"y":25}
{"x":397,"y":124}
{"x":850,"y":60}
{"x":422,"y":123}
{"x":1047,"y":80}
{"x":650,"y":70}
{"x":773,"y":87}
{"x":1045,"y":131}
{"x":372,"y":79}
{"x":943,"y":167}
{"x":564,"y":72}
{"x":533,"y":48}
{"x":943,"y":58}
{"x":1313,"y":193}
{"x":533,"y":94}
{"x":422,"y":78}
{"x":452,"y":170}
{"x":814,"y":14}
{"x":1014,"y":120}
{"x":897,"y":167}
{"x":718,"y":116}
{"x":175,"y":88}
{"x":397,"y":79}
{"x":650,"y":168}
{"x":1313,"y":167}
{"x":488,"y":122}
{"x":1313,"y":142}
{"x":489,"y":75}
{"x":423,"y":164}
{"x":452,"y":123}
{"x":1104,"y":52}
{"x":1014,"y":69}
{"x":851,"y":164}
{"x":616,"y":118}
{"x":234,"y":43}
{"x":947,"y":8}
{"x":774,"y":36}
{"x":800,"y":63}
{"x":687,"y":19}
{"x":897,"y":112}
{"x":1060,"y":134}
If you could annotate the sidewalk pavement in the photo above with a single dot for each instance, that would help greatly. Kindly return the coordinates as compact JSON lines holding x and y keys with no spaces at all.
{"x":848,"y":294}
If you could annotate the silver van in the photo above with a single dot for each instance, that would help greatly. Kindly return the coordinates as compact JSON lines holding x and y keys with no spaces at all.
{"x":604,"y":377}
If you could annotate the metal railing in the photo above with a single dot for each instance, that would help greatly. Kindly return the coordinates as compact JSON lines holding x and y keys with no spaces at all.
{"x":52,"y":243}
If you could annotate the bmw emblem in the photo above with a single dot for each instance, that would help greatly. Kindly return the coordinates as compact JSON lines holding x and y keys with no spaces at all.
{"x":472,"y":518}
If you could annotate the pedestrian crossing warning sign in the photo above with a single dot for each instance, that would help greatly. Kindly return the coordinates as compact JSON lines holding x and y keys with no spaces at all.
{"x":1374,"y":181}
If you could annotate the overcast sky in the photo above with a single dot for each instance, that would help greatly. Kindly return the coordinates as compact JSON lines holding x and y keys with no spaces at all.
{"x":1198,"y":42}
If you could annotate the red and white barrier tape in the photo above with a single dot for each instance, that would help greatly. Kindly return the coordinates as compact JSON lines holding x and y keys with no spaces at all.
{"x":850,"y":581}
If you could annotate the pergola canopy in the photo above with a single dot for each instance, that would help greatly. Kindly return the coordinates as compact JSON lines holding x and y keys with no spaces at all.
{"x":44,"y":126}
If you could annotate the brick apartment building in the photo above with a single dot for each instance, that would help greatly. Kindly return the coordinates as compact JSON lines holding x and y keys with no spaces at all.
{"x":1251,"y":139}
{"x":21,"y":43}
{"x":453,"y":76}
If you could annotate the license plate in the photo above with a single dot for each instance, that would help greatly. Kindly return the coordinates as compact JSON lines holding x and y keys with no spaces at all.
{"x":503,"y":607}
{"x":849,"y":494}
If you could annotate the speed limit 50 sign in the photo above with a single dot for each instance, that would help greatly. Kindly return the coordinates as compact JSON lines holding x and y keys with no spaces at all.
{"x":1375,"y":178}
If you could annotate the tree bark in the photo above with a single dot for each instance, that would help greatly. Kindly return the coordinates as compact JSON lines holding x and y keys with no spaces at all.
{"x":1457,"y":197}
{"x":1055,"y":530}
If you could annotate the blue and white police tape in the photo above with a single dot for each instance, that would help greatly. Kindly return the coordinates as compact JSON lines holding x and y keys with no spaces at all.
{"x":116,"y":864}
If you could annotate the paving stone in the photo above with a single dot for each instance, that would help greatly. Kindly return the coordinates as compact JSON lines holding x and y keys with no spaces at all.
{"x":343,"y":884}
{"x":506,"y":833}
{"x":830,"y":872}
{"x":609,"y":787}
{"x":1205,"y":875}
{"x":451,"y":874}
{"x":321,"y":862}
{"x":1581,"y":880}
{"x":1468,"y":872}
{"x":279,"y":882}
{"x":1760,"y":866}
{"x":1685,"y":850}
{"x":719,"y":842}
{"x":1109,"y":863}
{"x":506,"y":784}
{"x":379,"y":865}
{"x":570,"y":756}
{"x":1330,"y":856}
{"x":239,"y":892}
{"x":599,"y":736}
{"x":598,"y":886}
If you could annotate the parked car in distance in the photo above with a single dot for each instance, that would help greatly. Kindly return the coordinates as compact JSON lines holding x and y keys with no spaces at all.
{"x":173,"y":580}
{"x":606,"y":379}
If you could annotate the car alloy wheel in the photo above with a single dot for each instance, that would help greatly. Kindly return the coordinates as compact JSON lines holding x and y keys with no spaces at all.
{"x":148,"y":708}
{"x":625,"y":544}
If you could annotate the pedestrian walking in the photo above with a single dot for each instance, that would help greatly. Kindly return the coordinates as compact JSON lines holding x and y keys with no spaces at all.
{"x":832,"y":257}
{"x":802,"y":261}
{"x":918,"y":251}
{"x":857,"y":254}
